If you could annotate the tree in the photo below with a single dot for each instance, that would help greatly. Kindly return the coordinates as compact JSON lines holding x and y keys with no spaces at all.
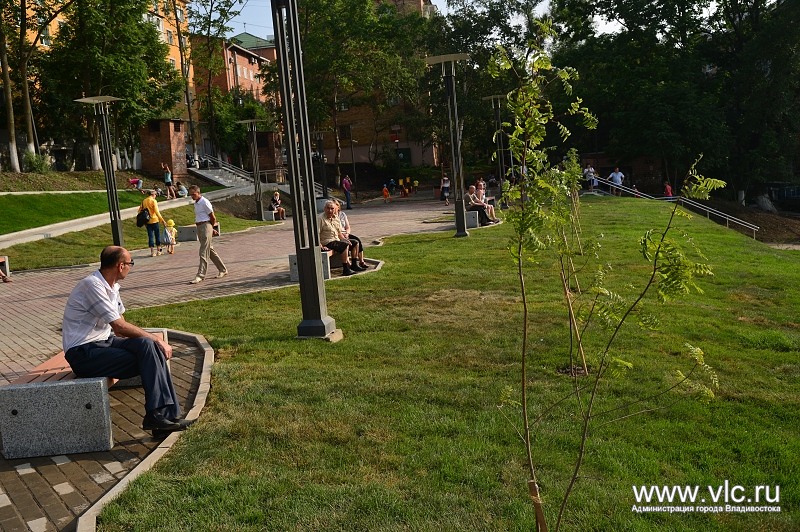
{"x":354,"y":55}
{"x":209,"y":19}
{"x":105,"y":49}
{"x":20,"y":19}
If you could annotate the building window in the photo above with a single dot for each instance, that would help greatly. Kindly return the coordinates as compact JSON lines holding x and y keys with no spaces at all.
{"x":155,"y":7}
{"x":343,"y":106}
{"x":46,"y":41}
{"x":172,"y":62}
{"x":179,"y":12}
{"x":170,"y":38}
{"x":177,"y":127}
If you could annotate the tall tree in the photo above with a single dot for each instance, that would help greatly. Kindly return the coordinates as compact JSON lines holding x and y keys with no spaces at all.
{"x":353,"y":55}
{"x":106,"y":48}
{"x":209,"y":20}
{"x":20,"y":21}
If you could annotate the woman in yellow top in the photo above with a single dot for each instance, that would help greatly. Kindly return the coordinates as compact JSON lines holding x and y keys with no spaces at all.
{"x":153,"y":229}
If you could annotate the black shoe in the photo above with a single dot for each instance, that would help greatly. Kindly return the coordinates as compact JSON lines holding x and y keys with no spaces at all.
{"x":347,"y":271}
{"x":158,"y":422}
{"x":363,"y":265}
{"x":356,"y":268}
{"x":184,"y":423}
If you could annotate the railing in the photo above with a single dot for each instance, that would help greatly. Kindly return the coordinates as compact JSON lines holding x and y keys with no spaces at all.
{"x":219,"y":163}
{"x":688,"y":203}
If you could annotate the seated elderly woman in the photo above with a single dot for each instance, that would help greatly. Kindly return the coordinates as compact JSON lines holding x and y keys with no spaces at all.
{"x":331,"y":236}
{"x":356,"y":247}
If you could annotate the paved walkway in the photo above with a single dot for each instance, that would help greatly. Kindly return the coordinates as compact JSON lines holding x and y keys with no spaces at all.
{"x":31,"y":307}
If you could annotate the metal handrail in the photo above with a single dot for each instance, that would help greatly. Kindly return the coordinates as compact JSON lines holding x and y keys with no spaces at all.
{"x":686,"y":202}
{"x":230,"y":168}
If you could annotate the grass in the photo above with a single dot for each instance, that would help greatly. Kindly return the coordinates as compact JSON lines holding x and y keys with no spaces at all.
{"x":80,"y":247}
{"x":36,"y":210}
{"x":397,"y":427}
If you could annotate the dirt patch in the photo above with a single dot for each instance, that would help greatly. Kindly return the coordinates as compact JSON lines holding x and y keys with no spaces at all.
{"x":782,"y":228}
{"x":245,"y":206}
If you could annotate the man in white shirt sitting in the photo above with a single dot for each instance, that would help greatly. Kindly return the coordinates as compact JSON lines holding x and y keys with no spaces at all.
{"x":98,"y":342}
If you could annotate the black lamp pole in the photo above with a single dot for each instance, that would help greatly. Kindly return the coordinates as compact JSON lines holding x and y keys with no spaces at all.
{"x":101,"y":104}
{"x":316,"y":321}
{"x":253,"y":128}
{"x":353,"y":159}
{"x":448,"y":63}
{"x":497,"y":100}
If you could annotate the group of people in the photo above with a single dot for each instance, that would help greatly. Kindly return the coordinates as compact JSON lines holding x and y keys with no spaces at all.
{"x":206,"y":223}
{"x":178,"y":190}
{"x":616,"y":178}
{"x":335,"y":235}
{"x":475,"y":200}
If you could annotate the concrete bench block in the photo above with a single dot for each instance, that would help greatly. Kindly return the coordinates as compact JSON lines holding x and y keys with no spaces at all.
{"x":186,"y":233}
{"x":4,"y":265}
{"x":472,"y":219}
{"x":294,"y":275}
{"x":46,"y":419}
{"x":269,"y":216}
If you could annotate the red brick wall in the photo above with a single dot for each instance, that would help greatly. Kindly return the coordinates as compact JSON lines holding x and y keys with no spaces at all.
{"x":163,"y":144}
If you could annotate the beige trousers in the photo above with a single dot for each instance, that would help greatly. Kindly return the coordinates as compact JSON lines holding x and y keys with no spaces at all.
{"x":204,"y":235}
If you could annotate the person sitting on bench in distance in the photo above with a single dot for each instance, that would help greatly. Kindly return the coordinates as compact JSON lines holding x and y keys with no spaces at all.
{"x":356,"y":246}
{"x":331,"y":236}
{"x":480,"y":193}
{"x":471,"y":203}
{"x":98,"y":342}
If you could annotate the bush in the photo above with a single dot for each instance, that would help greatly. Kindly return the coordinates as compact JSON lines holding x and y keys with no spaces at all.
{"x":38,"y":164}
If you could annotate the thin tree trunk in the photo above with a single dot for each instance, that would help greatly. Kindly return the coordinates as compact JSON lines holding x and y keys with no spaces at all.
{"x":185,"y":74}
{"x":12,"y":132}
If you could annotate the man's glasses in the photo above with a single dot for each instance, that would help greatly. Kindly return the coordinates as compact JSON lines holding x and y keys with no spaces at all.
{"x":128,"y":263}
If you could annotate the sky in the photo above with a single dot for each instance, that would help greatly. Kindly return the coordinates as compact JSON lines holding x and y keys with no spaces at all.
{"x":256,"y":18}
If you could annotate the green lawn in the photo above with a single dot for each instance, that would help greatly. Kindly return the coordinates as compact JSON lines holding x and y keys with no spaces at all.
{"x":80,"y":247}
{"x":35,"y":210}
{"x":397,"y":427}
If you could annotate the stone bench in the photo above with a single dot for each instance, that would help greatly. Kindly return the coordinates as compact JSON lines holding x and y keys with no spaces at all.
{"x":325,"y":256}
{"x":472,"y":219}
{"x":269,"y":216}
{"x":50,"y":411}
{"x":188,"y":233}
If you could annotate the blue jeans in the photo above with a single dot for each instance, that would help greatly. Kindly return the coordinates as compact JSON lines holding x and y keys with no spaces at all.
{"x":153,"y":235}
{"x":347,"y":197}
{"x":123,"y":358}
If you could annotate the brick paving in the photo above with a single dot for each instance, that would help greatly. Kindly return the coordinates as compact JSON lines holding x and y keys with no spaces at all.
{"x":48,"y":493}
{"x":31,"y":307}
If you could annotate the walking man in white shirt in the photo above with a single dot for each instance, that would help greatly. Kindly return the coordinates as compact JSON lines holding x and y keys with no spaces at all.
{"x":205,"y":220}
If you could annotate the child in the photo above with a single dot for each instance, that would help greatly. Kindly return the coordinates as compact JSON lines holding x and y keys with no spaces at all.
{"x":385,"y":194}
{"x":172,"y":234}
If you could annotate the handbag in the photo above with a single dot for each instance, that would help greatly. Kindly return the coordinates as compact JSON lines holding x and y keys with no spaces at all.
{"x":142,"y":218}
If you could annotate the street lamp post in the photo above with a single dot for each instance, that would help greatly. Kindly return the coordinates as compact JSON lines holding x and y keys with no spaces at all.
{"x":353,"y":158}
{"x":101,"y":104}
{"x":497,"y":100}
{"x":448,"y":63}
{"x":252,"y":127}
{"x":319,"y":136}
{"x":316,"y":322}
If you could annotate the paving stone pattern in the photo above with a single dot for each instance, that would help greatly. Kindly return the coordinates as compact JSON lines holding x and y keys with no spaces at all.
{"x":31,"y":307}
{"x":48,"y":493}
